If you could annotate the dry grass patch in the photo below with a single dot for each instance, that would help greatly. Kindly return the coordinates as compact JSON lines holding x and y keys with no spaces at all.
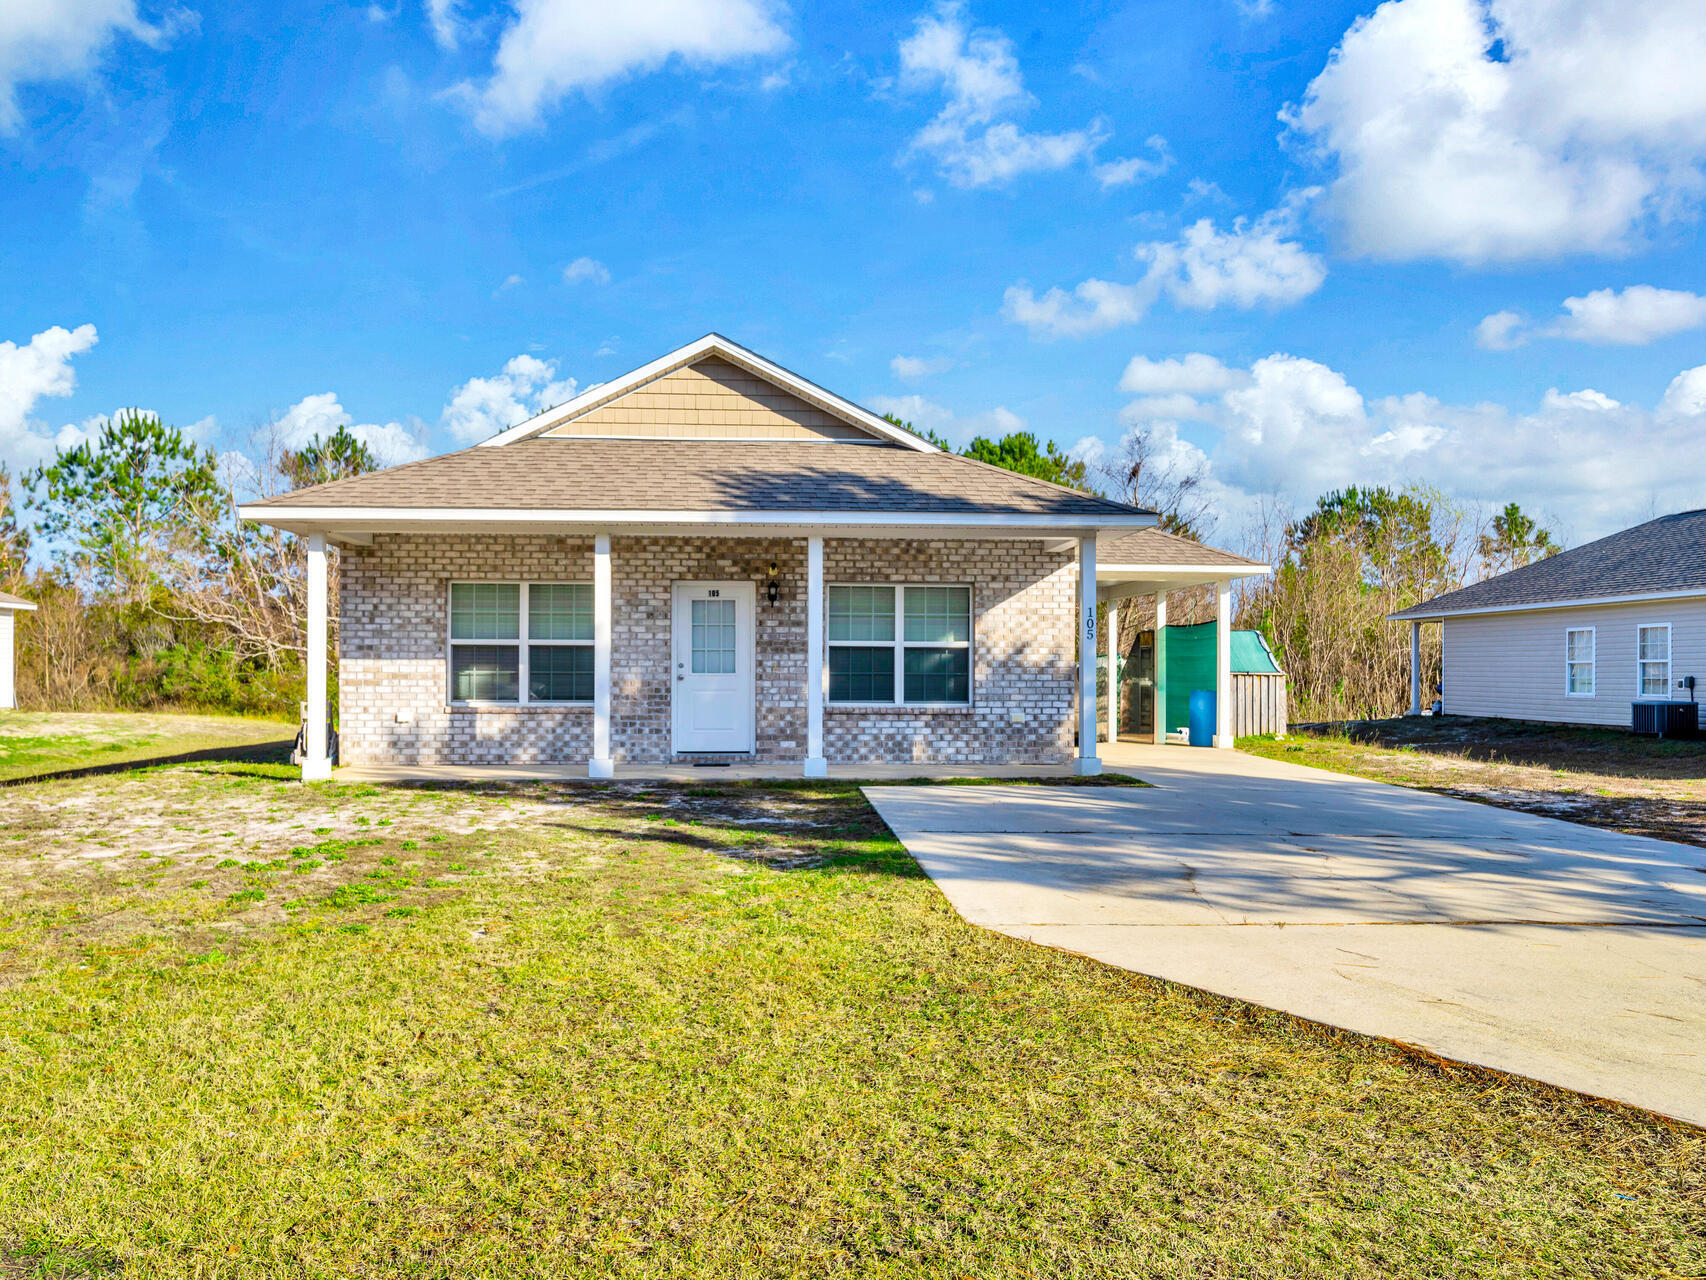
{"x":250,"y":1028}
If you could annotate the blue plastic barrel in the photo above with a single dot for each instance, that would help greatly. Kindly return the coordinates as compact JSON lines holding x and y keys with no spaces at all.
{"x":1202,"y":717}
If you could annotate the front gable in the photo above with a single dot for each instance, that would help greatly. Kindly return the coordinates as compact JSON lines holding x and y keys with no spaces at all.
{"x":711,"y":399}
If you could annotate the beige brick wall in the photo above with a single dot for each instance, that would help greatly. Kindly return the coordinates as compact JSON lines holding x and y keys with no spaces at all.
{"x":392,"y":650}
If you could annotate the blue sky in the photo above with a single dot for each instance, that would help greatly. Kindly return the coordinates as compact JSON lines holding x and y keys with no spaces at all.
{"x":1440,"y":243}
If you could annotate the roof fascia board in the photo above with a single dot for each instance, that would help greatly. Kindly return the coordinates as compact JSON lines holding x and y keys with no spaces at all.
{"x":1248,"y":570}
{"x":714,"y":344}
{"x":1417,"y":615}
{"x":345,"y":517}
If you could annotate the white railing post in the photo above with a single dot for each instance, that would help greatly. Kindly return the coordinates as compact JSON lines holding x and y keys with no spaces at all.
{"x":1113,"y":671}
{"x":601,"y":765}
{"x":316,"y":755}
{"x":1159,"y":695}
{"x":1087,"y":761}
{"x":1415,"y":668}
{"x":1223,"y":666}
{"x":816,"y":765}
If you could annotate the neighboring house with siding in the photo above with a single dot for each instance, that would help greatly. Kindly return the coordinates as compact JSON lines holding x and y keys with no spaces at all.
{"x":10,"y":607}
{"x":711,"y":558}
{"x":1577,"y":637}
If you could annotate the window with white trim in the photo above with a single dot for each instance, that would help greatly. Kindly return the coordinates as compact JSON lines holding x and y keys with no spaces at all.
{"x":1578,"y":662}
{"x":1652,"y":659}
{"x":908,"y":644}
{"x":521,"y":642}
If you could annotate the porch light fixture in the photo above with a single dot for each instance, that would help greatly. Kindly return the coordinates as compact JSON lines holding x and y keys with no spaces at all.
{"x":773,"y":589}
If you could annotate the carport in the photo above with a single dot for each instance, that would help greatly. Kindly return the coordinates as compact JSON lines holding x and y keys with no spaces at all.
{"x":1150,"y":562}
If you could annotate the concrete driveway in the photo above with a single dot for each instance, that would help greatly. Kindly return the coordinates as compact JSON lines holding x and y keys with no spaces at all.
{"x":1526,"y":944}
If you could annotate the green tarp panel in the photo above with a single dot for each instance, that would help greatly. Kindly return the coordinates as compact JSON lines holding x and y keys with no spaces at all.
{"x":1190,"y":665}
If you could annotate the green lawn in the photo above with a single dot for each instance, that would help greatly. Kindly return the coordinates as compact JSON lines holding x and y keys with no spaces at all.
{"x":251,"y":1028}
{"x":36,"y":742}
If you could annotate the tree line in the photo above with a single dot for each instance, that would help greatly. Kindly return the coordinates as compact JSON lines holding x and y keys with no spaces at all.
{"x":152,"y":593}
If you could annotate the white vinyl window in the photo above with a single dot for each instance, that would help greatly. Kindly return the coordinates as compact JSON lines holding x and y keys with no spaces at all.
{"x":1652,"y":659}
{"x":1578,"y":662}
{"x":908,"y":644}
{"x":521,"y":642}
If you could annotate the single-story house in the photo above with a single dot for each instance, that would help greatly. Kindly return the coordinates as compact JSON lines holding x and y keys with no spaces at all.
{"x":1577,"y":637}
{"x":711,"y":558}
{"x":10,"y":607}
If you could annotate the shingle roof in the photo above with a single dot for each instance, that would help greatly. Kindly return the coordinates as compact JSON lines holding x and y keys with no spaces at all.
{"x":693,"y":475}
{"x":1153,"y":546}
{"x":1663,"y":555}
{"x":10,"y":601}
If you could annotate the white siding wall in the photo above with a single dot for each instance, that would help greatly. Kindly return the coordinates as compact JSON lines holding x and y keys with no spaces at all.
{"x":8,"y":694}
{"x":1512,"y":664}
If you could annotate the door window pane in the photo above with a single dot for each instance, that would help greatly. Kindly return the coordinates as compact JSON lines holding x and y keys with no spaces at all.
{"x":938,"y":675}
{"x":559,"y":673}
{"x":485,"y":611}
{"x":713,"y":623}
{"x":861,"y":614}
{"x":861,"y":674}
{"x":938,"y":615}
{"x":559,"y":611}
{"x":485,"y":672}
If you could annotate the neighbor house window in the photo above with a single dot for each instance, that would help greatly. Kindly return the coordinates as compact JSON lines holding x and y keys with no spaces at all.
{"x":900,"y":644}
{"x":1578,"y":661}
{"x":520,"y":642}
{"x":1652,"y":658}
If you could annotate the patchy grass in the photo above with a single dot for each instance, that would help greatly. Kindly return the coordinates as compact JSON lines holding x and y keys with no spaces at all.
{"x":1600,"y":777}
{"x":637,"y":1031}
{"x":38,"y":742}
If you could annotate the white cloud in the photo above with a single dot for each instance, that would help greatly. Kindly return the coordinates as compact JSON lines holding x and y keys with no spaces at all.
{"x":39,"y":368}
{"x":586,"y":269}
{"x":482,"y":407}
{"x":321,"y":415}
{"x":1686,"y":395}
{"x":43,"y":40}
{"x":445,"y":18}
{"x":1094,"y":306}
{"x":1292,"y":428}
{"x":1498,"y":130}
{"x":1636,"y":316}
{"x":972,"y":139}
{"x":1090,"y":450}
{"x":927,"y":415}
{"x":1607,"y":317}
{"x":1252,"y":264}
{"x":911,"y":368}
{"x":1192,"y":374}
{"x":558,"y":47}
{"x":1501,"y":331}
{"x":1122,"y":173}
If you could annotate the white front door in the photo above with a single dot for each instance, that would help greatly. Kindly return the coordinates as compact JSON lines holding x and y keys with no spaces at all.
{"x":712,"y":701}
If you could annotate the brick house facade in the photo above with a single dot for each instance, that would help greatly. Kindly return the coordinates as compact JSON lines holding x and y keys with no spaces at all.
{"x":393,"y":671}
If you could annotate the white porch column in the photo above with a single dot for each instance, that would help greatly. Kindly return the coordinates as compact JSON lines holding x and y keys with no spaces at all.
{"x":1087,"y":761}
{"x":816,"y":766}
{"x":601,"y":765}
{"x":1415,"y":668}
{"x":1113,"y":671}
{"x":1159,"y":697}
{"x":1223,"y":667}
{"x":316,"y":760}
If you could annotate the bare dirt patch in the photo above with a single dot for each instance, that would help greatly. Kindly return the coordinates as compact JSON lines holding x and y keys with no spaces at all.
{"x":1598,"y":777}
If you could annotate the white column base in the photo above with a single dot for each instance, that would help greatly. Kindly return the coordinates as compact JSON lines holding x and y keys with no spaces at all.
{"x":316,"y":770}
{"x":816,"y":767}
{"x":1087,"y":766}
{"x":601,"y":768}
